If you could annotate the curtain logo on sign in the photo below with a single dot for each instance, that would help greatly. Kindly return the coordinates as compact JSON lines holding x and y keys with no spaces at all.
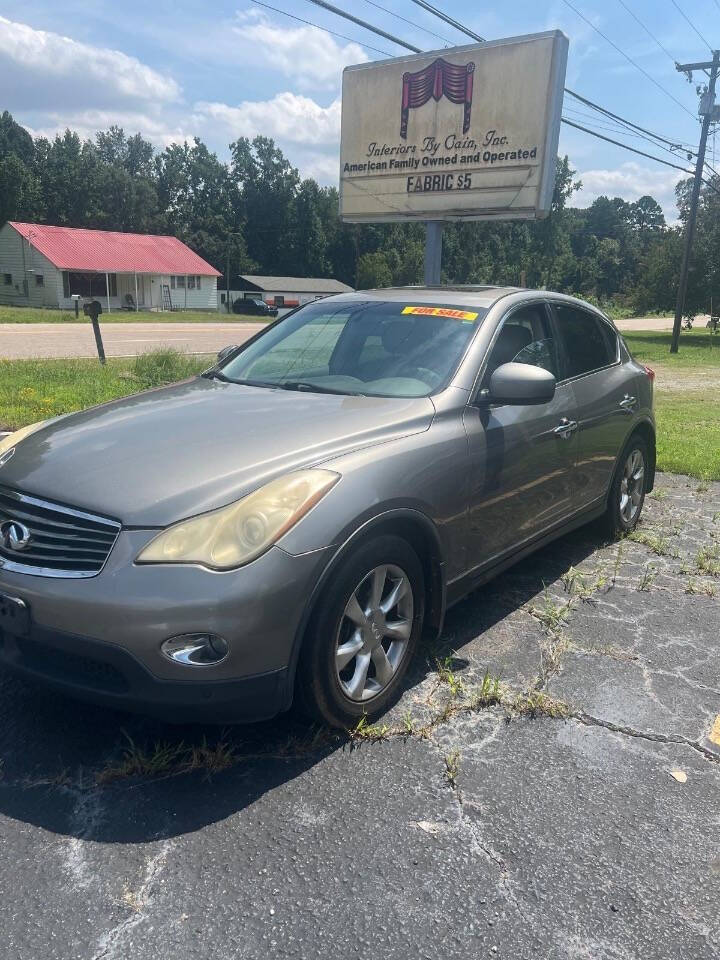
{"x":440,"y":79}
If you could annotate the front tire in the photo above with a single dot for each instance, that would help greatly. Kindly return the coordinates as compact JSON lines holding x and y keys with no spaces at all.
{"x":627,"y":493}
{"x":363,"y":634}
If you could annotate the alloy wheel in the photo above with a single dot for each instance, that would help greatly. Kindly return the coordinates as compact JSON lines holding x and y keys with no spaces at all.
{"x":374,"y":632}
{"x":632,"y":486}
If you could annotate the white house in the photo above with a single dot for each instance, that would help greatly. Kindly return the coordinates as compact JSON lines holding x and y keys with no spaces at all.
{"x":279,"y":291}
{"x":43,"y":266}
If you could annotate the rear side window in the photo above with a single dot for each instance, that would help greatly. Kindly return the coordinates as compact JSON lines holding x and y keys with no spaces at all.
{"x":588,"y":343}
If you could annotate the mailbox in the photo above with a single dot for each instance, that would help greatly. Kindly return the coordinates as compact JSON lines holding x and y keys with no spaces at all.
{"x":92,"y":309}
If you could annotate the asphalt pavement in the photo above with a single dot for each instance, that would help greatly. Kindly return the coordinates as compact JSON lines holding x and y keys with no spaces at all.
{"x":27,"y":340}
{"x":576,"y":819}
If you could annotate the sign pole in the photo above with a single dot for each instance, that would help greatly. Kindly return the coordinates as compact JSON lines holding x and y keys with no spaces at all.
{"x":433,"y":252}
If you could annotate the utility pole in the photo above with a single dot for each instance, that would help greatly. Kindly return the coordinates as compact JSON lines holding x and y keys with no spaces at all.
{"x":707,"y":105}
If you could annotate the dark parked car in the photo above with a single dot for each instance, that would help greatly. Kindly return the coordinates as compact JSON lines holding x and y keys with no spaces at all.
{"x":290,"y":522}
{"x":252,"y":305}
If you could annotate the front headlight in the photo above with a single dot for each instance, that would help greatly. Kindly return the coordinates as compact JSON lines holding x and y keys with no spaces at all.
{"x":241,"y":532}
{"x":14,"y":438}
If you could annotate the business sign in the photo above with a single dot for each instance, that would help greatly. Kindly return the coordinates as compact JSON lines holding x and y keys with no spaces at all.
{"x":467,"y":132}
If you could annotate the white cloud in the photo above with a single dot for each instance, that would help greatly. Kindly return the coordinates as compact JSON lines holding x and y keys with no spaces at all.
{"x":287,"y":117}
{"x":630,"y":181}
{"x":41,"y":70}
{"x":310,"y":56}
{"x":86,"y":123}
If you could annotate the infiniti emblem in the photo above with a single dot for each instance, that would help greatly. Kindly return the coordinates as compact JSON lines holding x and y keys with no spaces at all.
{"x":14,"y":535}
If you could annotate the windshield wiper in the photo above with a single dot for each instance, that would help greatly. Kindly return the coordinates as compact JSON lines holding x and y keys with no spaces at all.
{"x":216,"y":375}
{"x":219,"y":375}
{"x":307,"y":386}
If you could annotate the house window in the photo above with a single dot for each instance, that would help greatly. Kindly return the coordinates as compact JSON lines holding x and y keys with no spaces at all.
{"x":88,"y":284}
{"x":39,"y":280}
{"x":191,"y":283}
{"x":180,"y":283}
{"x":222,"y":298}
{"x":172,"y":283}
{"x":7,"y":279}
{"x":197,"y":282}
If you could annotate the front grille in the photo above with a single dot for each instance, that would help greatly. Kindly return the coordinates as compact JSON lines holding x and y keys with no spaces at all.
{"x":63,"y":542}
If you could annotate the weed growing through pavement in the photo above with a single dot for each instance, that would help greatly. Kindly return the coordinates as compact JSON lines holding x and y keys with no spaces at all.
{"x":693,"y":587}
{"x":536,"y":704}
{"x":369,"y":732}
{"x":446,"y":675}
{"x":550,"y":613}
{"x":648,"y":578}
{"x":452,"y":768}
{"x":708,"y":560}
{"x":168,"y":759}
{"x":659,"y":545}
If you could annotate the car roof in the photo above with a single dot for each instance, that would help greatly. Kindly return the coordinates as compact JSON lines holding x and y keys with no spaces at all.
{"x":464,"y":294}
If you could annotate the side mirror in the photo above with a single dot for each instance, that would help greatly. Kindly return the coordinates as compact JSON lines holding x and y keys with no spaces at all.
{"x":226,"y":351}
{"x":521,"y":383}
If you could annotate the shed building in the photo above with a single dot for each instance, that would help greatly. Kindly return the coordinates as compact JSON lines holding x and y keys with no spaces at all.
{"x":44,"y":266}
{"x":279,"y":291}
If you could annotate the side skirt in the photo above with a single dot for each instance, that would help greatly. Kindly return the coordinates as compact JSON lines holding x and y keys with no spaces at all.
{"x":468,"y":582}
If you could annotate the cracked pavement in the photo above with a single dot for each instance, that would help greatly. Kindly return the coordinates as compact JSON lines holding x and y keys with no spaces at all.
{"x":577,"y":817}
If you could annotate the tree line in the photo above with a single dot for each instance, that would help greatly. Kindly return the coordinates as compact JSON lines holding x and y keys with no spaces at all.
{"x":256,"y":214}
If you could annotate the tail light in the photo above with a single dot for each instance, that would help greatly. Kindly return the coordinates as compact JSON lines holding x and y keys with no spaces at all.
{"x":650,"y":372}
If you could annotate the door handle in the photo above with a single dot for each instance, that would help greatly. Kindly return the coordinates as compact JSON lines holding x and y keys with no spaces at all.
{"x":628,"y":402}
{"x":565,"y":428}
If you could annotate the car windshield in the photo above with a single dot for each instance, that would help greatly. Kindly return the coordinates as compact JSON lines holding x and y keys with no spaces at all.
{"x":368,"y":347}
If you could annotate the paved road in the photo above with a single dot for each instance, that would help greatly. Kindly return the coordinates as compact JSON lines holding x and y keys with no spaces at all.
{"x":128,"y":339}
{"x":465,"y":832}
{"x":21,"y":340}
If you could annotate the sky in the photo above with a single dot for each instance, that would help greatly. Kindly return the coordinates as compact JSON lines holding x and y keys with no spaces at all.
{"x":174,"y":70}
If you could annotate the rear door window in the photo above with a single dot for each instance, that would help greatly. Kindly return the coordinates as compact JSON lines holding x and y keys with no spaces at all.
{"x":587,"y":342}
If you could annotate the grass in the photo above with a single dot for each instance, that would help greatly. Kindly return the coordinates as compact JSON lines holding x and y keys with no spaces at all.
{"x":39,"y":315}
{"x":688,"y":420}
{"x":698,"y":348}
{"x":164,"y":759}
{"x":32,"y":390}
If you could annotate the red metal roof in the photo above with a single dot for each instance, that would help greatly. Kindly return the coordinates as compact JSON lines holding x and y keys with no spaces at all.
{"x":69,"y":248}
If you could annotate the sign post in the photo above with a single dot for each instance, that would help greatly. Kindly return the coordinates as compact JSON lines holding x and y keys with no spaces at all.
{"x":468,"y":132}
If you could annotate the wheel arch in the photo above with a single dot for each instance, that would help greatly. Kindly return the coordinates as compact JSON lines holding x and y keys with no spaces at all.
{"x":422,"y":535}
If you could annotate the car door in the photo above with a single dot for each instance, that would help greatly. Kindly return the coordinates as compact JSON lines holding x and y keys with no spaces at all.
{"x":604,"y":393}
{"x":521,"y":456}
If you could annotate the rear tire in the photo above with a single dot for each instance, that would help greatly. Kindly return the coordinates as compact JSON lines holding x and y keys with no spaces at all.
{"x":627,"y":492}
{"x":363,"y":633}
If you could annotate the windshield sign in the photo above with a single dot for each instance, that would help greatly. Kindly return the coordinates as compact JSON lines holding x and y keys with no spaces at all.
{"x":360,"y":347}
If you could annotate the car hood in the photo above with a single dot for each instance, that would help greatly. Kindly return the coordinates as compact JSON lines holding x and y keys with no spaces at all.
{"x":160,"y":456}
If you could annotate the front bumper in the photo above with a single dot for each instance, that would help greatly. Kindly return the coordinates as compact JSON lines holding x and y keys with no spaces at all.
{"x":100,"y":638}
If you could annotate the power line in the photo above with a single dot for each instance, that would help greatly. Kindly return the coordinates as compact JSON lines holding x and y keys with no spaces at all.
{"x":453,"y":23}
{"x":647,"y":31}
{"x":687,"y":18}
{"x":405,"y":20}
{"x":625,"y":146}
{"x":629,"y":123}
{"x":332,"y":33}
{"x":600,"y":136}
{"x":627,"y":57}
{"x":365,"y":25}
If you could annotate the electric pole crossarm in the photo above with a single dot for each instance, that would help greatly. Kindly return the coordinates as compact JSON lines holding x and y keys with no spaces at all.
{"x":689,"y":67}
{"x":714,"y":66}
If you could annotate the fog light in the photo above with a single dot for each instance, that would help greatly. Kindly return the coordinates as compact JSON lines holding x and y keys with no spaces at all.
{"x":196,"y":649}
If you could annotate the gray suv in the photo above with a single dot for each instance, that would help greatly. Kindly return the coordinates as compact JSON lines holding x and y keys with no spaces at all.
{"x":290,"y":522}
